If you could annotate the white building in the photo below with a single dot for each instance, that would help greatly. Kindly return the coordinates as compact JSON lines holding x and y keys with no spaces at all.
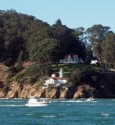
{"x":94,"y":62}
{"x":61,"y":73}
{"x":56,"y":81}
{"x":71,"y":59}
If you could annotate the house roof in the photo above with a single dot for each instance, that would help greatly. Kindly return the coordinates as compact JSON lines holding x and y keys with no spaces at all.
{"x":72,"y":56}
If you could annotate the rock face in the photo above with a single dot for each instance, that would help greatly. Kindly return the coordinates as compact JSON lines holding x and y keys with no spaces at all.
{"x":3,"y":72}
{"x":16,"y":90}
{"x":52,"y":93}
{"x":84,"y":91}
{"x":103,"y":88}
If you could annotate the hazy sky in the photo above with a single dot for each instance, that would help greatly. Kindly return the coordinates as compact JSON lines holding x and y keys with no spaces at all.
{"x":73,"y":13}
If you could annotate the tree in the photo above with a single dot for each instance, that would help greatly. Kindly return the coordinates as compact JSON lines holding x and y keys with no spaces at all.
{"x":96,"y":35}
{"x":108,"y":46}
{"x":68,"y":41}
{"x":1,"y":48}
{"x":15,"y":31}
{"x":58,"y":22}
{"x":80,"y":33}
{"x":46,"y":50}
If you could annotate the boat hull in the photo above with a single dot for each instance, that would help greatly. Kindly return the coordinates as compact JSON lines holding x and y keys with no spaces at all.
{"x":36,"y":105}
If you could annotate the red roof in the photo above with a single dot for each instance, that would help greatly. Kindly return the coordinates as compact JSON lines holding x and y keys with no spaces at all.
{"x":75,"y":56}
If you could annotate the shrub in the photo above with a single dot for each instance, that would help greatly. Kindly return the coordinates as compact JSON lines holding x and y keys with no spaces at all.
{"x":33,"y":73}
{"x":9,"y":62}
{"x":12,"y":71}
{"x":84,"y":75}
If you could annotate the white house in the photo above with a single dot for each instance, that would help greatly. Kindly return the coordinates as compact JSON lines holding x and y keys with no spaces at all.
{"x":94,"y":62}
{"x":71,"y":59}
{"x":56,"y":81}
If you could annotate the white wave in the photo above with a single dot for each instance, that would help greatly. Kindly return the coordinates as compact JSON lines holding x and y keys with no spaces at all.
{"x":104,"y":114}
{"x":61,"y":114}
{"x":67,"y":100}
{"x":79,"y":101}
{"x":3,"y":98}
{"x":12,"y":105}
{"x":48,"y":116}
{"x":54,"y":100}
{"x":11,"y":101}
{"x":18,"y":98}
{"x":29,"y":114}
{"x":63,"y":100}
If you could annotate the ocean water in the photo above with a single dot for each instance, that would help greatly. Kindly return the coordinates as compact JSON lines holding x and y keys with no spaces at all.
{"x":58,"y":112}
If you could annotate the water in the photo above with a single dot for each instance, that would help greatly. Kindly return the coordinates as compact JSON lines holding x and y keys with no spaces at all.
{"x":66,"y":112}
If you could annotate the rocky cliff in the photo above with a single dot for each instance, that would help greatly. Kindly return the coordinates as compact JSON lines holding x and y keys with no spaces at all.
{"x":16,"y":90}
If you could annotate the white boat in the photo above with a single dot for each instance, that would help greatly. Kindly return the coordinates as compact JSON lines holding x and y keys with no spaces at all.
{"x":91,"y":99}
{"x":37,"y":102}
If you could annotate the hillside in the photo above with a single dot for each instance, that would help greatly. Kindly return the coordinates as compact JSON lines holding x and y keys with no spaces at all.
{"x":3,"y":73}
{"x":100,"y":85}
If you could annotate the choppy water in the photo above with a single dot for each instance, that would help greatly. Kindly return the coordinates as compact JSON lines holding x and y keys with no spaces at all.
{"x":66,"y":112}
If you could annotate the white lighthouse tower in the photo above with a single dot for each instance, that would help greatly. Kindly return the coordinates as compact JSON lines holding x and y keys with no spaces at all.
{"x":61,"y":73}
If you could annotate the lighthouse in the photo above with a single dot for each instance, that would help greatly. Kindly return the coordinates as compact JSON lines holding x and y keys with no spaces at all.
{"x":61,"y":73}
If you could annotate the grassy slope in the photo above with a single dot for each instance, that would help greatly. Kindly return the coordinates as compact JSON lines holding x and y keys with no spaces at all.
{"x":68,"y":68}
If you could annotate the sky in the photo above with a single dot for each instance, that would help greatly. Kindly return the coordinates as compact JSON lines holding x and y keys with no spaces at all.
{"x":72,"y":13}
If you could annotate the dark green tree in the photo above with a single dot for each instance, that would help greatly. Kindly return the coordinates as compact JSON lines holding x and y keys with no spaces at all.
{"x":46,"y":50}
{"x":108,"y":46}
{"x":96,"y":35}
{"x":67,"y":39}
